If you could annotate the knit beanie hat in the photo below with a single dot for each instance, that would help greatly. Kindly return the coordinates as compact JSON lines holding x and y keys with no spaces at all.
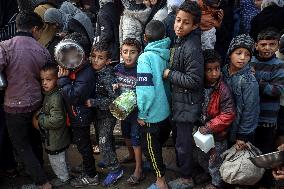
{"x":241,"y":41}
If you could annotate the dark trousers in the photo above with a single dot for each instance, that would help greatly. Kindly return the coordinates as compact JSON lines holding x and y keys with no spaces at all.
{"x":81,"y":137}
{"x":27,"y":144}
{"x":154,"y":135}
{"x":184,"y":148}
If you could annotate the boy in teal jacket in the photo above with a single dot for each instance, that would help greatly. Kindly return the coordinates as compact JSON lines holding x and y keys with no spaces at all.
{"x":152,"y":98}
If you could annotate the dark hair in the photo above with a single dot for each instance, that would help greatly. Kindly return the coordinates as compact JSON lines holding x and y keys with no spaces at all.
{"x":50,"y":67}
{"x":82,"y":40}
{"x":155,"y":30}
{"x":211,"y":56}
{"x":192,"y":8}
{"x":132,"y":42}
{"x":27,"y":20}
{"x":102,"y":47}
{"x":269,"y":34}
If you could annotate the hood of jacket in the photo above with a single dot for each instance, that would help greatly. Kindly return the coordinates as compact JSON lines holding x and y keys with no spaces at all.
{"x":141,"y":15}
{"x":160,"y":48}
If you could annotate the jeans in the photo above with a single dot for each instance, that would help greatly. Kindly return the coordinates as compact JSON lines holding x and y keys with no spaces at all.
{"x":59,"y":166}
{"x":27,"y":144}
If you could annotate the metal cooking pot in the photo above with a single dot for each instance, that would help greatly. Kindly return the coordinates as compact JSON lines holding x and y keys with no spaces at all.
{"x":269,"y":161}
{"x":69,"y":54}
{"x":3,"y":81}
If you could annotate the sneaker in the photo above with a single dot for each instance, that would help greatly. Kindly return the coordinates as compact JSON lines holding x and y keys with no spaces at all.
{"x":112,"y":178}
{"x":58,"y":182}
{"x":101,"y":164}
{"x":84,"y":180}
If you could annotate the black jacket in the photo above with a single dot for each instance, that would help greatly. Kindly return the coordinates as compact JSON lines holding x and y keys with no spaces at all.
{"x":76,"y":92}
{"x":186,"y":77}
{"x":107,"y":30}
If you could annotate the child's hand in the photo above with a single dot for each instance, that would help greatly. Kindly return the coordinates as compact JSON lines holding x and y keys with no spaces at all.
{"x":141,"y":122}
{"x":88,"y":103}
{"x":278,"y":174}
{"x":115,"y":86}
{"x":281,"y":147}
{"x":240,"y":145}
{"x":35,"y":122}
{"x":62,"y":72}
{"x":202,"y":130}
{"x":166,"y":73}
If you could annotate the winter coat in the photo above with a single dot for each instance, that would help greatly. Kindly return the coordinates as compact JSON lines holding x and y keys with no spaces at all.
{"x":76,"y":91}
{"x":104,"y":94}
{"x":245,"y":91}
{"x":186,"y":77}
{"x":220,"y":112}
{"x":21,"y":62}
{"x":52,"y":121}
{"x":151,"y":90}
{"x":107,"y":30}
{"x":132,"y":24}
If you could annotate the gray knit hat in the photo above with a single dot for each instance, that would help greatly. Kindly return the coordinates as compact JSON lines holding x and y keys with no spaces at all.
{"x":241,"y":41}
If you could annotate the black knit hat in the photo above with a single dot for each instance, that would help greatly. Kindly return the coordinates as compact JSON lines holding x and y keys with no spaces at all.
{"x":241,"y":41}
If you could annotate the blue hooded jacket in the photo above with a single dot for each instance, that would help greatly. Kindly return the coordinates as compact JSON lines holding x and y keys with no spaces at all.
{"x":152,"y":91}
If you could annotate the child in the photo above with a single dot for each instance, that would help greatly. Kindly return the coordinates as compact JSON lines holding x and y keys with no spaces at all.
{"x":218,"y":112}
{"x":126,"y":76}
{"x":76,"y":87}
{"x":104,"y":120}
{"x":210,"y":20}
{"x":270,"y":75}
{"x":186,"y":77}
{"x":52,"y":123}
{"x":240,"y":78}
{"x":152,"y":98}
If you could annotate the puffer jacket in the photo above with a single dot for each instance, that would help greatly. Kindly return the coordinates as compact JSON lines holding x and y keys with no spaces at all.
{"x":220,"y":112}
{"x":186,"y":77}
{"x":52,"y":120}
{"x":76,"y":91}
{"x":132,"y":24}
{"x":245,"y":91}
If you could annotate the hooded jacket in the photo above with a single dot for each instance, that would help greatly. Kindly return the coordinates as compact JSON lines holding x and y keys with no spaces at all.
{"x":151,"y":90}
{"x":186,"y":77}
{"x":246,"y":97}
{"x":52,"y":120}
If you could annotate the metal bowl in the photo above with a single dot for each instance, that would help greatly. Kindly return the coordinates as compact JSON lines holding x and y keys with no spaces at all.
{"x":269,"y":161}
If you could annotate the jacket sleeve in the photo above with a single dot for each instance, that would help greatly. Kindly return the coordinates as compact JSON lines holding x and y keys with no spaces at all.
{"x":227,"y":114}
{"x":145,"y":90}
{"x":250,"y":110}
{"x":78,"y":91}
{"x":275,"y":87}
{"x":192,"y":77}
{"x":104,"y":29}
{"x":56,"y":116}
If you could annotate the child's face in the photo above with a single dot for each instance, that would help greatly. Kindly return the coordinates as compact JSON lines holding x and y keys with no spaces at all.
{"x":258,"y":3}
{"x":239,"y":58}
{"x":184,"y":24}
{"x":267,"y":48}
{"x":212,"y":72}
{"x":48,"y":80}
{"x":129,"y":55}
{"x":99,"y":59}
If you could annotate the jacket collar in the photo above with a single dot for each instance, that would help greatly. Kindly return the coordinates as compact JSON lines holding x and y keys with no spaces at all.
{"x":51,"y":92}
{"x":180,"y":40}
{"x":27,"y":34}
{"x":245,"y":69}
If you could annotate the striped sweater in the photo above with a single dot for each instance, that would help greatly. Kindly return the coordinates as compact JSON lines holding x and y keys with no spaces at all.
{"x":270,"y":75}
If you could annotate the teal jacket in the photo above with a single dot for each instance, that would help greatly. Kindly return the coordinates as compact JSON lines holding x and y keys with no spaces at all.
{"x":152,"y":91}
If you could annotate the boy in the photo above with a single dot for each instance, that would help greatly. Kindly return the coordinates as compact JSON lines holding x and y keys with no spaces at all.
{"x":241,"y":80}
{"x":152,"y":98}
{"x":126,"y":76}
{"x":52,"y":123}
{"x":76,"y":87}
{"x":104,"y":120}
{"x":23,"y":95}
{"x":270,"y":75}
{"x":218,"y":112}
{"x":186,"y":77}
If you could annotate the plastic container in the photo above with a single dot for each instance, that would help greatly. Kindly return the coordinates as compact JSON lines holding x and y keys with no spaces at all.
{"x":204,"y":142}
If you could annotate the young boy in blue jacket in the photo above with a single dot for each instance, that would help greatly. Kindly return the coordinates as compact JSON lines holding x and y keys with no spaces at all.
{"x":152,"y":98}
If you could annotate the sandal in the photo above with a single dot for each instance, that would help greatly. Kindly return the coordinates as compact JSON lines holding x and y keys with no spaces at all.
{"x":127,"y":159}
{"x":211,"y":186}
{"x":133,"y":180}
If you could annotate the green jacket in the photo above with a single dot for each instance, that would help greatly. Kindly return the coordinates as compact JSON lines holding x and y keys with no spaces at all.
{"x":52,"y":122}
